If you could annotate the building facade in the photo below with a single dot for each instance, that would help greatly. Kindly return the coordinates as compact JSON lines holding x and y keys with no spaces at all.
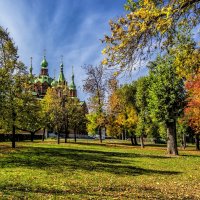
{"x":43,"y":81}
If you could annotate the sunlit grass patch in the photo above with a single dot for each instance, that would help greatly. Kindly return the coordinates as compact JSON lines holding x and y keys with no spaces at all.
{"x":92,"y":171}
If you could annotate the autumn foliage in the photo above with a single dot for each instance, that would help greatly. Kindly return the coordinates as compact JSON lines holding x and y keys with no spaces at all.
{"x":192,"y":111}
{"x":148,"y":25}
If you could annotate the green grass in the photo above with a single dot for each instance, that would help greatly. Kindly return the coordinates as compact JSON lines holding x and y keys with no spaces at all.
{"x":93,"y":171}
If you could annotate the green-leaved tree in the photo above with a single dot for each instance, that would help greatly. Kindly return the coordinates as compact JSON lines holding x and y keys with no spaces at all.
{"x":166,"y":98}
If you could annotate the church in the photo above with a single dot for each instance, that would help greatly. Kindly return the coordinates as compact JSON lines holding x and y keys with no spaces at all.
{"x":44,"y":81}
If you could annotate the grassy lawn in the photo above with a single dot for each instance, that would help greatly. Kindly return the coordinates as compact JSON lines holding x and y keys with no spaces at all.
{"x":92,"y":171}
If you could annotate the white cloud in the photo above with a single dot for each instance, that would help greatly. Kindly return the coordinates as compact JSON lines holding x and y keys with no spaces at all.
{"x":57,"y":28}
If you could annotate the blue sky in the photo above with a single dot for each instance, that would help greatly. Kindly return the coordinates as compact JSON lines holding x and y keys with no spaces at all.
{"x":72,"y":28}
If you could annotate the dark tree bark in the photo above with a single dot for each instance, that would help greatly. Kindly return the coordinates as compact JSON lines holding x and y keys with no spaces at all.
{"x":58,"y":137}
{"x":171,"y":138}
{"x":100,"y":134}
{"x":184,"y":141}
{"x":13,"y":136}
{"x":43,"y":134}
{"x":66,"y":133}
{"x":197,"y":142}
{"x":142,"y":141}
{"x":32,"y":136}
{"x":13,"y":129}
{"x":123,"y":134}
{"x":135,"y":140}
{"x":132,"y":143}
{"x":75,"y":134}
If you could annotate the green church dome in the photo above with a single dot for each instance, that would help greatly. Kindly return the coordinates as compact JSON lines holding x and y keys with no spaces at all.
{"x":44,"y":63}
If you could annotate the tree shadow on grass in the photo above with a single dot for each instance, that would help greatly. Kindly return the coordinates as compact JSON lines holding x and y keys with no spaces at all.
{"x":143,"y":192}
{"x":191,"y":156}
{"x":23,"y":191}
{"x":61,"y":159}
{"x":157,"y":193}
{"x":115,"y":143}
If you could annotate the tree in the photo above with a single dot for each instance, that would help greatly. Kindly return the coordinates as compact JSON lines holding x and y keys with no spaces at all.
{"x":14,"y":85}
{"x":31,"y":117}
{"x":114,"y":108}
{"x":92,"y":125}
{"x":182,"y":127}
{"x":122,"y":111}
{"x":148,"y":25}
{"x":141,"y":103}
{"x":186,"y":53}
{"x":76,"y":116}
{"x":166,"y":98}
{"x":130,"y":123}
{"x":192,"y":110}
{"x":54,"y":111}
{"x":113,"y":129}
{"x":95,"y":85}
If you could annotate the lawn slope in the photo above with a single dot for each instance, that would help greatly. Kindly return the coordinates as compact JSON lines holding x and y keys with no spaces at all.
{"x":92,"y":171}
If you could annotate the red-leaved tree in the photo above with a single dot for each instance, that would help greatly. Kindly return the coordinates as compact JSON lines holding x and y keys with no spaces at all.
{"x":192,"y":111}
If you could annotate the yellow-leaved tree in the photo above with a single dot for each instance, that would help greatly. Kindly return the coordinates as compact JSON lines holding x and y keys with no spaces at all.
{"x":148,"y":27}
{"x":122,"y":113}
{"x":54,"y":111}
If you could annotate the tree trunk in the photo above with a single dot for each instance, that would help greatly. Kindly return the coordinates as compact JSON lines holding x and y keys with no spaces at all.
{"x":125,"y":134}
{"x":171,"y":138}
{"x":135,"y":140}
{"x":13,"y":136}
{"x":75,"y":134}
{"x":197,"y":141}
{"x":58,"y":137}
{"x":142,"y":141}
{"x":43,"y":134}
{"x":122,"y":134}
{"x":100,"y":135}
{"x":132,"y":143}
{"x":32,"y":136}
{"x":13,"y":128}
{"x":66,"y":133}
{"x":184,"y":141}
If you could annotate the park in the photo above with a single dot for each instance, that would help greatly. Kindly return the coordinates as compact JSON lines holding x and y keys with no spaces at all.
{"x":100,"y":99}
{"x":89,"y":170}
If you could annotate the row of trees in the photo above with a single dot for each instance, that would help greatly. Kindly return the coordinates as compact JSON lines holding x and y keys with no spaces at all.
{"x":20,"y":110}
{"x":154,"y":104}
{"x":63,"y":113}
